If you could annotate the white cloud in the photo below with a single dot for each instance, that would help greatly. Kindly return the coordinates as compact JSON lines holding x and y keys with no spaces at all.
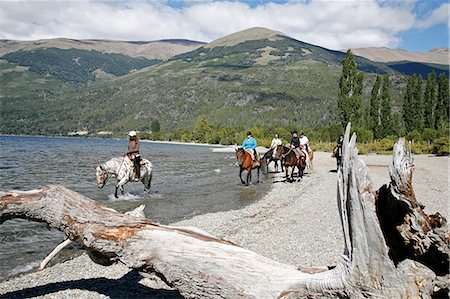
{"x":437,"y":16}
{"x":330,"y":24}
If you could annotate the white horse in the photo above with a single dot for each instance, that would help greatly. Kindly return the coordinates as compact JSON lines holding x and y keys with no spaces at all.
{"x":121,"y":169}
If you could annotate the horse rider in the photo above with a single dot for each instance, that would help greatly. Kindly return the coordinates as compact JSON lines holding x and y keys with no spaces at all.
{"x":295,"y":145}
{"x":338,"y":151}
{"x":276,"y":141}
{"x":304,"y":143}
{"x":249,"y":145}
{"x":133,"y":153}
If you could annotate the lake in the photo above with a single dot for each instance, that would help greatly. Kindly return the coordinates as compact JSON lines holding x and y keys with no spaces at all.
{"x":188,"y":180}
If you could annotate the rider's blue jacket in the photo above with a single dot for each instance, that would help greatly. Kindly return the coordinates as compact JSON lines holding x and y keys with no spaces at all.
{"x":249,"y":143}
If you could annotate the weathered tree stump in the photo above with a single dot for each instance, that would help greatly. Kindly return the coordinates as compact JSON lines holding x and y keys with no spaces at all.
{"x":392,"y":248}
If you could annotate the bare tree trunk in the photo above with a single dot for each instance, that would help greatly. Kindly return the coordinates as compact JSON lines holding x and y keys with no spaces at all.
{"x":388,"y":242}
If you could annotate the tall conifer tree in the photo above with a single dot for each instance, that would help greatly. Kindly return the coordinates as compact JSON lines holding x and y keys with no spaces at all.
{"x":374,"y":120}
{"x":350,"y":92}
{"x":418,"y":110}
{"x":442,"y":107}
{"x":386,"y":109}
{"x":408,"y":102}
{"x":429,"y":100}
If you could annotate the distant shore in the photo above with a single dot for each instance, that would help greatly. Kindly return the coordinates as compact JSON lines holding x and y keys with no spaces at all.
{"x":295,"y":223}
{"x":184,"y":143}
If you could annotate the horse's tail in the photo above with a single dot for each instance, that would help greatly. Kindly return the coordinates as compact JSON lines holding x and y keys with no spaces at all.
{"x":263,"y":166}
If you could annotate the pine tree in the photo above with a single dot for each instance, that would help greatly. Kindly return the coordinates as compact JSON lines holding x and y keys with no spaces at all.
{"x":202,"y":129}
{"x":430,"y":101}
{"x":155,"y":126}
{"x":418,"y":109}
{"x":408,"y":113}
{"x":374,"y":120}
{"x":386,"y":109}
{"x":442,"y":107}
{"x":350,"y":92}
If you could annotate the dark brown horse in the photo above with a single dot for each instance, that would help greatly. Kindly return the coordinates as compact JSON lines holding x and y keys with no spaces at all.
{"x":269,"y":157}
{"x":290,"y":160}
{"x":246,"y":163}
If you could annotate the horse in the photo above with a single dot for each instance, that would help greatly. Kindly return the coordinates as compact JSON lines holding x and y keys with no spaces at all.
{"x":245,"y":162}
{"x":269,"y":157}
{"x":290,"y":160}
{"x":122,"y":169}
{"x":309,"y":157}
{"x":337,"y":153}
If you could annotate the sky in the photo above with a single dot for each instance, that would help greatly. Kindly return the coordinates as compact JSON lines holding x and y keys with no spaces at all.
{"x":413,"y":25}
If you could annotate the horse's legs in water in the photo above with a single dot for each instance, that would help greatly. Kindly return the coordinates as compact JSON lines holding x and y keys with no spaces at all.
{"x":149,"y":182}
{"x":249,"y":175}
{"x":115,"y":192}
{"x":258,"y":176}
{"x":240,"y":175}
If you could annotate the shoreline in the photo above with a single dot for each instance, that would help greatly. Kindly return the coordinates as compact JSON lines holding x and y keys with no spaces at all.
{"x":295,"y":223}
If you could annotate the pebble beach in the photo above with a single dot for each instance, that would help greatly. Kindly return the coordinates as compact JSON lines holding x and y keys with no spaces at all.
{"x":294,"y":223}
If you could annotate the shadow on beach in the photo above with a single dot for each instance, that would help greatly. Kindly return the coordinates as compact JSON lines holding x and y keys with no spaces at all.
{"x":126,"y":287}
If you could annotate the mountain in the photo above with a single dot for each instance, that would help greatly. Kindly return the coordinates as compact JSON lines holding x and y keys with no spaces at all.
{"x":257,"y":76}
{"x":434,"y":56}
{"x":77,"y":67}
{"x":160,"y":50}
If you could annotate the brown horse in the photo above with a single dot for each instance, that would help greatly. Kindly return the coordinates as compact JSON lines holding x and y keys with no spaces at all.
{"x":246,"y":163}
{"x":290,"y":160}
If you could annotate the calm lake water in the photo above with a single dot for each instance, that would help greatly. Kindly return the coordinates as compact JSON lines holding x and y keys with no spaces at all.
{"x":188,"y":180}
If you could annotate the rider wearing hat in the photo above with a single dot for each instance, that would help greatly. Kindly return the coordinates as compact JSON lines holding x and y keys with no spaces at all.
{"x":133,"y":153}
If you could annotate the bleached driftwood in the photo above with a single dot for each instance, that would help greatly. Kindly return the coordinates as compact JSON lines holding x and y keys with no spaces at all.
{"x":54,"y":252}
{"x":382,"y":256}
{"x":137,"y":212}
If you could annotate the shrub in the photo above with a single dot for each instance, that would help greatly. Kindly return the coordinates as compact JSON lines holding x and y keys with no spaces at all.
{"x":441,"y":146}
{"x":429,"y":135}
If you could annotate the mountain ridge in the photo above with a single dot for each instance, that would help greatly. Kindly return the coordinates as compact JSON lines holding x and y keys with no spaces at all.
{"x":160,"y":49}
{"x":164,"y":49}
{"x":383,"y":54}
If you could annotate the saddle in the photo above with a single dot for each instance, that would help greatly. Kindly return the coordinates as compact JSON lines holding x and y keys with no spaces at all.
{"x":257,"y":160}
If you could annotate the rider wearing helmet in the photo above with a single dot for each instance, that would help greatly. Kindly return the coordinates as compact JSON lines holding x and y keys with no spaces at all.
{"x":249,"y":145}
{"x":133,"y":153}
{"x":295,"y":145}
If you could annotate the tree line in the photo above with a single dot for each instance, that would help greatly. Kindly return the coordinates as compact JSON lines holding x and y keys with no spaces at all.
{"x":423,"y":117}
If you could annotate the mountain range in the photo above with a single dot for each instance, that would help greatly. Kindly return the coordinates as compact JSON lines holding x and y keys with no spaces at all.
{"x":256,"y":76}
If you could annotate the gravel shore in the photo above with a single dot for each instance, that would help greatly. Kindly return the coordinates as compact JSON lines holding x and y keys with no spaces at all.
{"x":295,"y":223}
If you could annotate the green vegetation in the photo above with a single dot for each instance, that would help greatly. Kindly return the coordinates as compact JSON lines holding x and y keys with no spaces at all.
{"x":76,"y":66}
{"x":350,"y":92}
{"x":215,"y":95}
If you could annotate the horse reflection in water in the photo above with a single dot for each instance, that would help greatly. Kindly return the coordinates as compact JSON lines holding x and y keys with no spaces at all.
{"x":122,"y":169}
{"x":290,"y":160}
{"x":245,"y":162}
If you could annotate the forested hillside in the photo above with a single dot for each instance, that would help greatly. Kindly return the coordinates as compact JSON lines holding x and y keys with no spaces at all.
{"x":257,"y":79}
{"x":76,"y":67}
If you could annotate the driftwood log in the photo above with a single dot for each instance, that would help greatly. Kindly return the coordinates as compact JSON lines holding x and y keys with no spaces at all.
{"x":392,"y":248}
